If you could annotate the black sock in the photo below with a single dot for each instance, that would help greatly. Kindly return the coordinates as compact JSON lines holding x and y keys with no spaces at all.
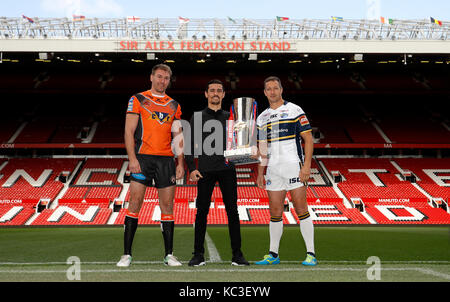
{"x":274,"y":255}
{"x":130,"y":226}
{"x":167,"y":228}
{"x":312,"y":254}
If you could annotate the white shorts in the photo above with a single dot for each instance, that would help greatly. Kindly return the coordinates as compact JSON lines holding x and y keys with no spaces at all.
{"x":283,"y":177}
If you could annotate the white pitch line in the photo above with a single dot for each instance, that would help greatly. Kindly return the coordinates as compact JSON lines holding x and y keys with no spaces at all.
{"x":215,"y":270}
{"x":433,"y":273}
{"x":214,"y":255}
{"x":232,"y":270}
{"x":223,"y":262}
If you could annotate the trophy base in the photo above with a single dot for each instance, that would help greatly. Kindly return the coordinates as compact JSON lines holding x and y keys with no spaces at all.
{"x":240,"y":156}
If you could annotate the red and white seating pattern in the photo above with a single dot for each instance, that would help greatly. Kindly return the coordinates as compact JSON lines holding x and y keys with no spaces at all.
{"x":372,"y":179}
{"x":97,"y":179}
{"x":75,"y":214}
{"x":33,"y":178}
{"x":96,"y":183}
{"x":434,"y":174}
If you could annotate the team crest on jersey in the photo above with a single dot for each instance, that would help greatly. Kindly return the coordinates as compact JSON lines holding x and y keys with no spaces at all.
{"x":161,"y":117}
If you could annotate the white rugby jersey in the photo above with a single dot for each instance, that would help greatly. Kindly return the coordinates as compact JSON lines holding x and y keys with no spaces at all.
{"x":281,"y":128}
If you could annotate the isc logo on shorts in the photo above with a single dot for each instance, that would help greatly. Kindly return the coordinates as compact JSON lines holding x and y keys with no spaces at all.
{"x":294,"y":180}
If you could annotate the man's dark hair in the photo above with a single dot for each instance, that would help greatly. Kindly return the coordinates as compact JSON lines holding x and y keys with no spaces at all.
{"x":273,"y":78}
{"x":215,"y":81}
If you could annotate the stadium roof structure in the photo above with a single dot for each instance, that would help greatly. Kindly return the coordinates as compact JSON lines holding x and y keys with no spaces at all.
{"x":222,"y":35}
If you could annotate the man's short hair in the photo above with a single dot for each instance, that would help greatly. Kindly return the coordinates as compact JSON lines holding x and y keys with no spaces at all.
{"x":215,"y":81}
{"x":162,"y":67}
{"x":273,"y":78}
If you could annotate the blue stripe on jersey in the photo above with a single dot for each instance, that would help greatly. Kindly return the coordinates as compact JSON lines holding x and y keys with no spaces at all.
{"x":271,"y":123}
{"x":278,"y":130}
{"x":272,"y":130}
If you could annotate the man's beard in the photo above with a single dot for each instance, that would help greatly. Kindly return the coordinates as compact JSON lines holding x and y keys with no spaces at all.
{"x":161,"y":90}
{"x":215,"y":101}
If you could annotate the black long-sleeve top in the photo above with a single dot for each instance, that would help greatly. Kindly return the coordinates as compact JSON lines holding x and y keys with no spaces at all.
{"x":201,"y":137}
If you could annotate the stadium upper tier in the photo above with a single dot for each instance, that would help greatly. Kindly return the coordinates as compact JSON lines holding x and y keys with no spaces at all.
{"x":100,"y":120}
{"x":225,"y":35}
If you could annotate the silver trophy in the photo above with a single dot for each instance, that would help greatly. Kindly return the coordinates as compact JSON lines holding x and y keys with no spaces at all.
{"x":241,"y":131}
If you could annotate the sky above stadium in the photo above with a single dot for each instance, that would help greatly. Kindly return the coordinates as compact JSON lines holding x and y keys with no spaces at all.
{"x":252,"y":9}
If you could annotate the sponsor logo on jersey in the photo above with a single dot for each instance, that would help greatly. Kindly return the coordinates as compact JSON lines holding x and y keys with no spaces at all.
{"x":304,"y":121}
{"x":162,"y":117}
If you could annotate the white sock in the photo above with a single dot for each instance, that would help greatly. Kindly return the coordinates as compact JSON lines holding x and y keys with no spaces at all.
{"x":307,"y":230}
{"x":275,"y":231}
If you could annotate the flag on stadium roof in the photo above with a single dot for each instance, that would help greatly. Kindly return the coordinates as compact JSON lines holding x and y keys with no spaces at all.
{"x":28,"y":18}
{"x":230,"y":19}
{"x":337,"y":18}
{"x":133,"y":19}
{"x":282,"y":18}
{"x":78,"y":18}
{"x":435,"y":21}
{"x":183,"y":20}
{"x":386,"y":20}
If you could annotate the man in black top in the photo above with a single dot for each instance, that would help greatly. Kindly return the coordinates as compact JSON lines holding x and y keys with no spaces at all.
{"x":208,"y":146}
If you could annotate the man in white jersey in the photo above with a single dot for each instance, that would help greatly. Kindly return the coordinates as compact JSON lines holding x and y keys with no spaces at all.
{"x":281,"y":129}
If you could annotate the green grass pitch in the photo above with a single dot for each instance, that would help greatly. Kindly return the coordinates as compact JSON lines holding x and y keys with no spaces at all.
{"x":407,"y":254}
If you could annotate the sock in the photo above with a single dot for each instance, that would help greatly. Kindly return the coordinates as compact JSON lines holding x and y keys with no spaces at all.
{"x":273,"y":254}
{"x":167,"y":228}
{"x":275,"y":231}
{"x":130,"y":226}
{"x":307,"y":231}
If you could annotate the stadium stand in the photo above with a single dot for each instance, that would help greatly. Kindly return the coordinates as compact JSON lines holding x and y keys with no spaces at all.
{"x":36,"y":131}
{"x":33,"y":178}
{"x":16,"y":212}
{"x":342,"y":124}
{"x":8,"y":127}
{"x":110,"y":130}
{"x":403,"y":122}
{"x":96,"y":184}
{"x":334,"y":124}
{"x":433,"y":174}
{"x":412,"y":212}
{"x":75,"y":214}
{"x":97,"y":178}
{"x":372,"y":179}
{"x":69,"y":103}
{"x":69,"y":130}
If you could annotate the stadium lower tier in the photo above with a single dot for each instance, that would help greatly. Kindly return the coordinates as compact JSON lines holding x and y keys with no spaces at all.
{"x":94,"y":191}
{"x":250,"y":213}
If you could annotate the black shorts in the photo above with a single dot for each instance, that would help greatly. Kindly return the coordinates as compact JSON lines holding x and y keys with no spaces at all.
{"x":160,"y":169}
